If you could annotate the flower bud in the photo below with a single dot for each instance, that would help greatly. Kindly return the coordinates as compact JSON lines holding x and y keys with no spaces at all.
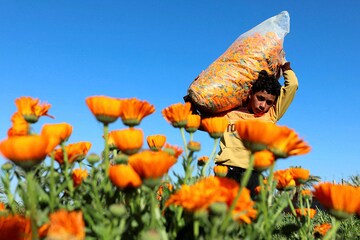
{"x":7,"y":166}
{"x":93,"y":158}
{"x":118,"y":210}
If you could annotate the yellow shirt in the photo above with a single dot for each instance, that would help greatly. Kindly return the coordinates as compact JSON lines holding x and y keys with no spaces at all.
{"x":232,"y":151}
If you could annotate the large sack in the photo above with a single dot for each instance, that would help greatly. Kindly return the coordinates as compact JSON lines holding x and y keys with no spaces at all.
{"x":225,"y":84}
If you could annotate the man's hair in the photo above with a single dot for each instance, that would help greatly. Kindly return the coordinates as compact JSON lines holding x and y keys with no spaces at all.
{"x":266,"y":82}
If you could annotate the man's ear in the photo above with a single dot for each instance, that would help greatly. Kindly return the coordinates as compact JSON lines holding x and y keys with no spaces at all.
{"x":250,"y":93}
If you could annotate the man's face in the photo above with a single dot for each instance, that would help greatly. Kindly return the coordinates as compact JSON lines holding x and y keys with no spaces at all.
{"x":261,"y":102}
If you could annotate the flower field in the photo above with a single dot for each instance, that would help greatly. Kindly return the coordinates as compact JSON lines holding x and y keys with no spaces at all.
{"x":126,"y":192}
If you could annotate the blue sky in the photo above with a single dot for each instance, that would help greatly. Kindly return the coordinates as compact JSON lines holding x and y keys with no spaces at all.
{"x":64,"y":51}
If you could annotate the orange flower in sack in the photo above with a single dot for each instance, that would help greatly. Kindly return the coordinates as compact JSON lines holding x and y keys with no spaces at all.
{"x":65,"y":225}
{"x":193,"y":123}
{"x":173,"y":150}
{"x":105,"y":109}
{"x":31,"y":109}
{"x":78,"y":175}
{"x":25,"y":151}
{"x":284,"y":179}
{"x":75,"y":152}
{"x":300,"y":175}
{"x":303,"y":212}
{"x":259,"y":135}
{"x":342,"y":201}
{"x":263,"y":160}
{"x":156,"y":142}
{"x":15,"y":227}
{"x":124,"y":176}
{"x":220,"y":171}
{"x":132,"y":111}
{"x":150,"y":164}
{"x":20,"y":127}
{"x":177,"y":114}
{"x":215,"y":126}
{"x":128,"y":141}
{"x":322,"y":229}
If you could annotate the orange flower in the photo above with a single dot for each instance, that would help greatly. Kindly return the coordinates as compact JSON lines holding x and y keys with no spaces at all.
{"x":176,"y":151}
{"x":305,"y":212}
{"x":322,"y":229}
{"x":306,"y":193}
{"x":284,"y":179}
{"x":132,"y":111}
{"x":220,"y":170}
{"x":259,"y":135}
{"x":193,"y":123}
{"x":202,"y":160}
{"x":150,"y":164}
{"x":105,"y":109}
{"x":15,"y":227}
{"x":300,"y":175}
{"x":194,"y":146}
{"x":215,"y":126}
{"x":56,"y":133}
{"x":160,"y":191}
{"x":20,"y":127}
{"x":66,"y":225}
{"x":31,"y":109}
{"x":2,"y":206}
{"x":177,"y":114}
{"x":156,"y":142}
{"x":263,"y":160}
{"x":25,"y":151}
{"x":124,"y":176}
{"x":128,"y":141}
{"x":341,"y":200}
{"x":75,"y":152}
{"x":209,"y":190}
{"x":78,"y":175}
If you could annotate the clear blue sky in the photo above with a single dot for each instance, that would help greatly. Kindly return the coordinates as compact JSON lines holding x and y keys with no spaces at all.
{"x":64,"y":51}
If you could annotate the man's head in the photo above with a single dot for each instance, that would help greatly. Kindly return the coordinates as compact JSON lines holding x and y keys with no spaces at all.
{"x":263,"y":93}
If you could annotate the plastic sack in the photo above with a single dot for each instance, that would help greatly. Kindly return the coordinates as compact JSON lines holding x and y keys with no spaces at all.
{"x":225,"y":84}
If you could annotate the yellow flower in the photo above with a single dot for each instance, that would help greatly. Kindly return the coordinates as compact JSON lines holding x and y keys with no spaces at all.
{"x":177,"y":114}
{"x":25,"y":151}
{"x":128,"y":141}
{"x":305,"y":212}
{"x":215,"y":126}
{"x":20,"y":127}
{"x":78,"y":175}
{"x":259,"y":135}
{"x":322,"y":229}
{"x":105,"y":109}
{"x":150,"y":164}
{"x":220,"y":170}
{"x":263,"y":160}
{"x":284,"y":179}
{"x":202,"y":160}
{"x":75,"y":152}
{"x":156,"y":142}
{"x":31,"y":109}
{"x":193,"y":123}
{"x":300,"y":175}
{"x":15,"y":227}
{"x":342,"y":200}
{"x":132,"y":111}
{"x":124,"y":176}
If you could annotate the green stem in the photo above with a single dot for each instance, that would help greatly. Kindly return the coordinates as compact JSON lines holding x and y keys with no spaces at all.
{"x":270,"y":183}
{"x":9,"y":196}
{"x":187,"y":167}
{"x":52,"y":184}
{"x":31,"y":204}
{"x":106,"y":149}
{"x":332,"y":232}
{"x":182,"y":130}
{"x":68,"y":180}
{"x":212,"y":156}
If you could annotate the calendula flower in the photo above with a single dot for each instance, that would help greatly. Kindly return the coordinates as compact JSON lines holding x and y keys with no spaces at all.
{"x":342,"y":201}
{"x":259,"y":135}
{"x":194,"y":146}
{"x":263,"y":160}
{"x":75,"y":152}
{"x":202,"y":194}
{"x":193,"y":123}
{"x":105,"y":109}
{"x":220,"y":170}
{"x":156,"y":142}
{"x":133,"y":110}
{"x":202,"y":160}
{"x":150,"y":164}
{"x":124,"y":176}
{"x":31,"y":109}
{"x":56,"y":133}
{"x":302,"y":212}
{"x":177,"y":114}
{"x":66,"y":225}
{"x":176,"y":151}
{"x":215,"y":126}
{"x":128,"y":141}
{"x":15,"y":227}
{"x":284,"y":180}
{"x":111,"y":142}
{"x":78,"y":175}
{"x":322,"y":229}
{"x":160,"y":191}
{"x":306,"y":193}
{"x":2,"y":206}
{"x":25,"y":151}
{"x":300,"y":175}
{"x":20,"y":127}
